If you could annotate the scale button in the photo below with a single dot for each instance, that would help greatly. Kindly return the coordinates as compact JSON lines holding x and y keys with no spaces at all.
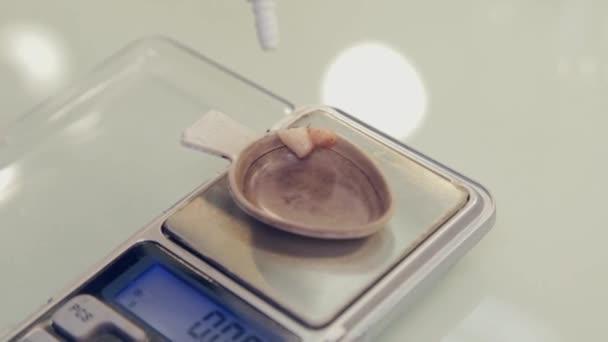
{"x":84,"y":317}
{"x":39,"y":335}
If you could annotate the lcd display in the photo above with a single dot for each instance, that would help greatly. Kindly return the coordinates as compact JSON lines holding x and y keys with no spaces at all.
{"x":181,"y":312}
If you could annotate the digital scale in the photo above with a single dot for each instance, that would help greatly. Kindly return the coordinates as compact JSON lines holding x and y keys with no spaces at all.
{"x":203,"y":270}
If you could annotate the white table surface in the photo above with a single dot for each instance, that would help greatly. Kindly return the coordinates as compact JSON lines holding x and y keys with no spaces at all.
{"x":512,"y":94}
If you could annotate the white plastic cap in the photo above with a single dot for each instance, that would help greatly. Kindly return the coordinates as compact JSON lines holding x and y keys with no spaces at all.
{"x":266,"y":23}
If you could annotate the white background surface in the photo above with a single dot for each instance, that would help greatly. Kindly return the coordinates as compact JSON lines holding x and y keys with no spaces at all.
{"x":512,"y":94}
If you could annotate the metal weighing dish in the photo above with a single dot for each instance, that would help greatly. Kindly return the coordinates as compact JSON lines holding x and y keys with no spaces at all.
{"x":284,"y":286}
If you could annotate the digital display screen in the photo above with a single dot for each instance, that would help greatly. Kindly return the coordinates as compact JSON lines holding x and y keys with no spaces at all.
{"x":181,"y":312}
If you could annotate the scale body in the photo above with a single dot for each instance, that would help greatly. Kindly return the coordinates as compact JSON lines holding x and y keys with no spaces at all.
{"x":205,"y":271}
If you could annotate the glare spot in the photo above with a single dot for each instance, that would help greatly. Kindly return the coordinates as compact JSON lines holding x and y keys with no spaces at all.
{"x":588,"y":66}
{"x":378,"y":85}
{"x":8,"y":182}
{"x":37,"y":55}
{"x":85,"y":128}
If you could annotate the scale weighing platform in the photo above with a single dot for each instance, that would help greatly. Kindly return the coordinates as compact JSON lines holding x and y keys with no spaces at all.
{"x":105,"y":158}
